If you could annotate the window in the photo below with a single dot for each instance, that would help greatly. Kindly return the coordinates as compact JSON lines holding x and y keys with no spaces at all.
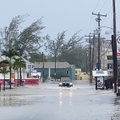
{"x":109,"y":57}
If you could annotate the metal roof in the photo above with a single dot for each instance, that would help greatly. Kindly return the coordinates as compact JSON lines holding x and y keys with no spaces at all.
{"x":52,"y":65}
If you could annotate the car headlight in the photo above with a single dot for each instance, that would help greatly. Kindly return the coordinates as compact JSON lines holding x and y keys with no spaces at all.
{"x":71,"y":84}
{"x":119,"y":87}
{"x":60,"y":83}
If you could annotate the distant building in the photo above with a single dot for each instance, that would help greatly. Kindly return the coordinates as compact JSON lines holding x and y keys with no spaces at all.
{"x":78,"y":74}
{"x":106,"y":55}
{"x":81,"y":75}
{"x":25,"y":72}
{"x":62,"y":69}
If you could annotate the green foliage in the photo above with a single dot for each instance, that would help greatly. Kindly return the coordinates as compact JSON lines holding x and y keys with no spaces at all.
{"x":19,"y":62}
{"x":26,"y":40}
{"x":29,"y":38}
{"x":5,"y":63}
{"x":4,"y":70}
{"x":70,"y":50}
{"x":56,"y":45}
{"x":10,"y":53}
{"x":36,"y":57}
{"x":3,"y":66}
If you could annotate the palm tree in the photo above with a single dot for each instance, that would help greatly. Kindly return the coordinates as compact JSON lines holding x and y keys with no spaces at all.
{"x":4,"y":71}
{"x":18,"y":64}
{"x":10,"y":54}
{"x":3,"y":65}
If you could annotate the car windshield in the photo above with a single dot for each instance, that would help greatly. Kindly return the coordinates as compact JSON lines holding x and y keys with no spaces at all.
{"x":65,"y":79}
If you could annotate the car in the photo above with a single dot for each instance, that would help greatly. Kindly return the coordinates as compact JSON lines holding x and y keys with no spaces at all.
{"x":118,"y":89}
{"x":65,"y":82}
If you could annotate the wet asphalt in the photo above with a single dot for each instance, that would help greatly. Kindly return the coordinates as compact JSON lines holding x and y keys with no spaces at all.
{"x":50,"y":102}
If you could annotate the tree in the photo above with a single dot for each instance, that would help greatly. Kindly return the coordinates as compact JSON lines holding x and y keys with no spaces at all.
{"x":3,"y":69}
{"x":17,"y":65}
{"x":56,"y":45}
{"x":36,"y":57}
{"x":10,"y":54}
{"x":27,"y":40}
{"x":70,"y":50}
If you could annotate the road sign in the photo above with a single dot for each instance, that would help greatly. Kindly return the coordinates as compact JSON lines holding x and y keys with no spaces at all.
{"x":99,"y":73}
{"x":100,"y":82}
{"x":118,"y":46}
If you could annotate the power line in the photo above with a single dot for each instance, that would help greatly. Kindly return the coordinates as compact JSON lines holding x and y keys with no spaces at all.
{"x":89,"y":25}
{"x":103,"y":5}
{"x":97,"y":5}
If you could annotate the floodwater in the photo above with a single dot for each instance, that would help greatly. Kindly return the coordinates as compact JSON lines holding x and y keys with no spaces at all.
{"x":50,"y":102}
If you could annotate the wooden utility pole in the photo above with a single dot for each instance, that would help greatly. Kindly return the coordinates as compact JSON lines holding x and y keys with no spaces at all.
{"x":55,"y":55}
{"x":114,"y":48}
{"x":90,"y":57}
{"x":98,"y":20}
{"x":93,"y":44}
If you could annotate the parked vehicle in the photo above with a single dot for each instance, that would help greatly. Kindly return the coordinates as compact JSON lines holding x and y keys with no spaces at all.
{"x":118,"y":88}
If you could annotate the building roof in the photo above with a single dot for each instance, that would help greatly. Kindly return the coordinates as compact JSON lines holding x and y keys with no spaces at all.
{"x":52,"y":65}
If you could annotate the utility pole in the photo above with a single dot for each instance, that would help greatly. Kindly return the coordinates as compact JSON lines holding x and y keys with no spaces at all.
{"x":114,"y":47}
{"x":43,"y":66}
{"x":93,"y":44}
{"x":55,"y":54}
{"x":55,"y":66}
{"x":86,"y":60}
{"x":90,"y":57}
{"x":98,"y":20}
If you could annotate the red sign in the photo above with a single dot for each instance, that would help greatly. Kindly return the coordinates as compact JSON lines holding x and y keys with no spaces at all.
{"x":118,"y":54}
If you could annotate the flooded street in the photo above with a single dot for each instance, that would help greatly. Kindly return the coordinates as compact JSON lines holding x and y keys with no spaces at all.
{"x":49,"y":102}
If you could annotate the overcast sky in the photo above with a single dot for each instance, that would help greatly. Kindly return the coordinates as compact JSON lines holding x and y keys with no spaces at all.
{"x":60,"y":15}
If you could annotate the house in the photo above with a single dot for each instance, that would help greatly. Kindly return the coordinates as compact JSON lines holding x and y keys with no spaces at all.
{"x":51,"y":70}
{"x":81,"y":75}
{"x":26,"y":73}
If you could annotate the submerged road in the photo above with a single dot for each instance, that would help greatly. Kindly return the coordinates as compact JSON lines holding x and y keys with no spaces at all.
{"x":50,"y":102}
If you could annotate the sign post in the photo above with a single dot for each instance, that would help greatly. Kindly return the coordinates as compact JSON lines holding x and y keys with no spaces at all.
{"x":99,"y":78}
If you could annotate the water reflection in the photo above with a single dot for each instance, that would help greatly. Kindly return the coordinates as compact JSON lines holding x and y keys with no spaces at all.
{"x":17,"y":100}
{"x":70,"y":97}
{"x":65,"y":94}
{"x":116,"y":115}
{"x":60,"y":97}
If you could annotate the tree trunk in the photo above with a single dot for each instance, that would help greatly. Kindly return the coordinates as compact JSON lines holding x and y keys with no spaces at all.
{"x":4,"y":82}
{"x":10,"y":77}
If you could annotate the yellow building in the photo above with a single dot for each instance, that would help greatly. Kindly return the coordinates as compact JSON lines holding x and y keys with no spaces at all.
{"x":81,"y":75}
